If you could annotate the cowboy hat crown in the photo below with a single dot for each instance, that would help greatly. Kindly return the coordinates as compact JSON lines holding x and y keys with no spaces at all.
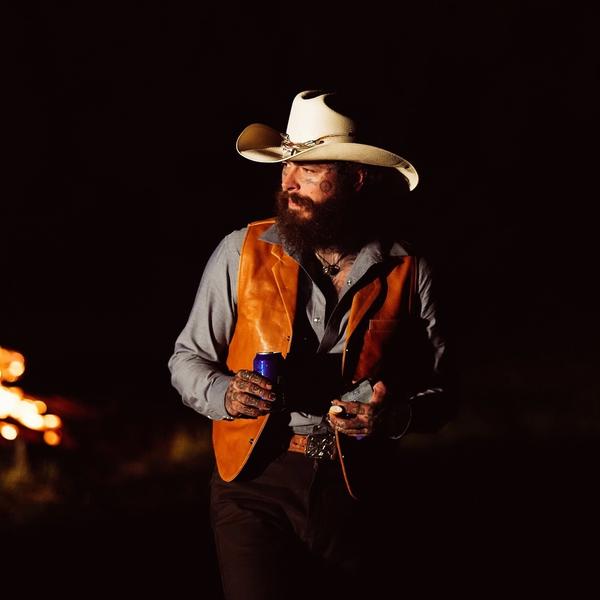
{"x":315,"y":132}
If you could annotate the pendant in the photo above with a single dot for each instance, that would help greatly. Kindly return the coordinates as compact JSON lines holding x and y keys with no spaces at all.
{"x":331,"y":270}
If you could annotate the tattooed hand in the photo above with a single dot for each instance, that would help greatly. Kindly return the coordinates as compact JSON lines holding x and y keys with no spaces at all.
{"x":357,"y":419}
{"x":249,"y":395}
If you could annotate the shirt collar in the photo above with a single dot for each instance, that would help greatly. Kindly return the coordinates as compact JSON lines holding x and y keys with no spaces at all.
{"x":371,"y":253}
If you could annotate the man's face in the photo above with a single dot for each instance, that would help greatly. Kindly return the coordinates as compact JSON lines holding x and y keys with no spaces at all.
{"x":318,"y":205}
{"x":307,"y":184}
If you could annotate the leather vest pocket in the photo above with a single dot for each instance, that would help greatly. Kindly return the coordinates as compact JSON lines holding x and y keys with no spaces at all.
{"x":384,"y":325}
{"x":380,"y":333}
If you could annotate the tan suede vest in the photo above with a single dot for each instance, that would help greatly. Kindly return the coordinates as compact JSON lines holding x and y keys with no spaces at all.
{"x":267,"y":289}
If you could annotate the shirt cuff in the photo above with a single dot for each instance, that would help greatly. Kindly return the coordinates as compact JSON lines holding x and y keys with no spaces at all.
{"x":217,"y":410}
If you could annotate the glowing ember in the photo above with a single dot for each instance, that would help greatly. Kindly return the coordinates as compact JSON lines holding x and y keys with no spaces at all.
{"x":52,"y":422}
{"x":12,"y":365}
{"x":41,"y":406}
{"x":52,"y":438}
{"x":28,"y":412}
{"x":8,"y":431}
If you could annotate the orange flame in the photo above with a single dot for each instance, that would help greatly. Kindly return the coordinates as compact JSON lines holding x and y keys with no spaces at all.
{"x":26,"y":411}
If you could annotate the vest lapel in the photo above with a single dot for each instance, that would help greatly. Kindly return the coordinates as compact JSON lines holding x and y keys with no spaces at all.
{"x":361,"y":303}
{"x":267,"y":289}
{"x":285,"y":271}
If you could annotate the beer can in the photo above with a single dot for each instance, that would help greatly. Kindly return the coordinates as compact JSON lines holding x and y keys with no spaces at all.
{"x":269,"y":365}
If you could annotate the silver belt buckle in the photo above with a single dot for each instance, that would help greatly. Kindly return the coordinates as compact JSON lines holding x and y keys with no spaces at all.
{"x":320,"y":444}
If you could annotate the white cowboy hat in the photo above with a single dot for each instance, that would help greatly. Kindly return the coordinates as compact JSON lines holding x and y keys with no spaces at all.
{"x":317,"y":132}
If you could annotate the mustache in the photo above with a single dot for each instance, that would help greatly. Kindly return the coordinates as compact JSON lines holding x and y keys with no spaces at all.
{"x":284,"y":197}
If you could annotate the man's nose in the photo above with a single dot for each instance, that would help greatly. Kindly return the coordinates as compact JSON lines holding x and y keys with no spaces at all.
{"x":289,"y":181}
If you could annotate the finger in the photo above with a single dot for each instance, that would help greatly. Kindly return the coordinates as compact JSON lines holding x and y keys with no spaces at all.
{"x":240,"y":403}
{"x":338,"y":412}
{"x":362,"y":432}
{"x":246,"y":410}
{"x":255,"y":378}
{"x":252,"y":383}
{"x":352,"y":430}
{"x":379,"y":393}
{"x":237,"y":409}
{"x":349,"y":423}
{"x":253,"y":389}
{"x":255,"y":402}
{"x":349,"y":410}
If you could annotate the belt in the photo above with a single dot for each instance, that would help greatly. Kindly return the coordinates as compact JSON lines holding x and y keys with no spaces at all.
{"x":314,"y":445}
{"x":298,"y":443}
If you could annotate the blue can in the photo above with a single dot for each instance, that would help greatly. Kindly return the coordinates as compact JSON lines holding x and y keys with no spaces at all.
{"x":269,"y":365}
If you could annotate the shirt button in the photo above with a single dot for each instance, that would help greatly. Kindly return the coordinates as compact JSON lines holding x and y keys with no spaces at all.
{"x":317,"y":319}
{"x":349,"y":282}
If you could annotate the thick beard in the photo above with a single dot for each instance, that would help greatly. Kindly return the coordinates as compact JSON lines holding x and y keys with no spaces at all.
{"x":338,"y":224}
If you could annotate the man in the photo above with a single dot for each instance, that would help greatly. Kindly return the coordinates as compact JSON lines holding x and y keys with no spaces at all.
{"x":326,"y":285}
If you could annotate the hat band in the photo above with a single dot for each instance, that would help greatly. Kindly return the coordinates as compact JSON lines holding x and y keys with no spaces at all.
{"x":290,"y":148}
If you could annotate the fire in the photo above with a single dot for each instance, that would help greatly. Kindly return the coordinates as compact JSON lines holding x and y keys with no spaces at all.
{"x":8,"y":431}
{"x":19,"y":409}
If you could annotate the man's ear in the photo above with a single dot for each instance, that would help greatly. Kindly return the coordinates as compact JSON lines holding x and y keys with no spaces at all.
{"x":360,"y":178}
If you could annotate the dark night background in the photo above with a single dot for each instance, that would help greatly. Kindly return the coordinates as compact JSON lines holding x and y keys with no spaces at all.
{"x":122,"y":176}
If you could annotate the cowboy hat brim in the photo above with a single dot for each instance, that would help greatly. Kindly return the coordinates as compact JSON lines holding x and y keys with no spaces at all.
{"x":262,"y":143}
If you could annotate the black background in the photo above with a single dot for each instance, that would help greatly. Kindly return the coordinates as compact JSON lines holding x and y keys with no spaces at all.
{"x":122,"y":176}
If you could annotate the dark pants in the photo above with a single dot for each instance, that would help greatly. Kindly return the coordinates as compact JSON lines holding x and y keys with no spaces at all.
{"x":290,"y":531}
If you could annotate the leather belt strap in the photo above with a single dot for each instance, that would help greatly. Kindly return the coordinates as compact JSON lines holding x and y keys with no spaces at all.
{"x":313,"y":445}
{"x":298,"y":443}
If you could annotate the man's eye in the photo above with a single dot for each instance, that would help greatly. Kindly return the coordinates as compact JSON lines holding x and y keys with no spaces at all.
{"x":307,"y":170}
